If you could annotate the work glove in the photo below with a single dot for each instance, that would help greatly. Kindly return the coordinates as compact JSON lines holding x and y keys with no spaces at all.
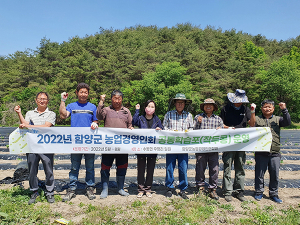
{"x":253,"y":107}
{"x":64,"y":96}
{"x":94,"y":126}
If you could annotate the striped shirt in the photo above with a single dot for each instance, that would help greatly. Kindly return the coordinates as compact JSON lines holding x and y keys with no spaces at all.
{"x":212,"y":122}
{"x":175,"y":122}
{"x":35,"y":118}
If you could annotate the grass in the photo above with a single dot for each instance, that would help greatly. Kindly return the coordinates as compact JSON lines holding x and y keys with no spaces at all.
{"x":14,"y":209}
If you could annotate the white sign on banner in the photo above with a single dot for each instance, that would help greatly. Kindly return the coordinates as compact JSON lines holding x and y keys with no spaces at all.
{"x":137,"y":141}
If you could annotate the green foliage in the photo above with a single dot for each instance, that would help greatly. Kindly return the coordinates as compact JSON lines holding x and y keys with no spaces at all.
{"x":151,"y":63}
{"x":167,"y":80}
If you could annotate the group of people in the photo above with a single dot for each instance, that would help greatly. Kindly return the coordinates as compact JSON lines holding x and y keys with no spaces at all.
{"x":234,"y":115}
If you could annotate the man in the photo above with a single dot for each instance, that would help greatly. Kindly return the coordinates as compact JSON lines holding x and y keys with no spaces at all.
{"x":178,"y":120}
{"x":83,"y":114}
{"x":117,"y":116}
{"x":208,"y":120}
{"x":269,"y":160}
{"x":39,"y":117}
{"x":235,"y":115}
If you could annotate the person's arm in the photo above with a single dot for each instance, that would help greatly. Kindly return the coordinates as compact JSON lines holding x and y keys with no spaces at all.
{"x":129,"y":120}
{"x":135,"y":119}
{"x":19,"y":113}
{"x":252,"y":120}
{"x":159,"y":125}
{"x":50,"y":121}
{"x":197,"y":122}
{"x":286,"y":119}
{"x":166,"y":121}
{"x":190,"y":122}
{"x":101,"y":113}
{"x":63,"y":113}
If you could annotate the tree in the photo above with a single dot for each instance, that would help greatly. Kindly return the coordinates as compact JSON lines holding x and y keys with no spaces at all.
{"x":167,"y":80}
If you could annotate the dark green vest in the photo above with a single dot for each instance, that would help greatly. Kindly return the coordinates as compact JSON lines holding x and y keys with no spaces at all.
{"x":273,"y":123}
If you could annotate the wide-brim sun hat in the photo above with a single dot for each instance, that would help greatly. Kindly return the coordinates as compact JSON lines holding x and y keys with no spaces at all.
{"x":209,"y":101}
{"x":180,"y":96}
{"x":238,"y":97}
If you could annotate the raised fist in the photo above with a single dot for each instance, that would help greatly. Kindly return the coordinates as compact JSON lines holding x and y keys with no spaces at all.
{"x":282,"y":105}
{"x":64,"y":96}
{"x":17,"y":109}
{"x":102,"y":97}
{"x":200,"y":119}
{"x":137,"y":106}
{"x":253,"y":107}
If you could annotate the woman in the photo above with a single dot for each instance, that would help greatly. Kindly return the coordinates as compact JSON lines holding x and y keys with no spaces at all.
{"x":147,"y":121}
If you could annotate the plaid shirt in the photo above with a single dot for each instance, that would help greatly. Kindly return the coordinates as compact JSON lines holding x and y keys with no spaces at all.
{"x":175,"y":122}
{"x":212,"y":122}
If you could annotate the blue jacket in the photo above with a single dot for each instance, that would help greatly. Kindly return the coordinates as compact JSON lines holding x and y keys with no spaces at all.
{"x":141,"y":122}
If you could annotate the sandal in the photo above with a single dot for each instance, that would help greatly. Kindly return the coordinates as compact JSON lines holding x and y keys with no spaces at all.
{"x":148,"y":194}
{"x":140,"y":194}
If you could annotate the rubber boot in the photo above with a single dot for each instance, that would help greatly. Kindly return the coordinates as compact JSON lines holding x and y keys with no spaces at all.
{"x":120,"y":183}
{"x":104,"y":192}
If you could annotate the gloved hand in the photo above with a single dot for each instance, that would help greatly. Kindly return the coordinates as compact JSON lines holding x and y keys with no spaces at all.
{"x":64,"y":96}
{"x":253,"y":107}
{"x":94,"y":126}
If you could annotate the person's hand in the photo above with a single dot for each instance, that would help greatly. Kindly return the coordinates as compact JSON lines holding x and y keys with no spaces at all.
{"x":94,"y":126}
{"x":157,"y":128}
{"x":231,"y":128}
{"x":137,"y":106}
{"x":131,"y":128}
{"x":102,"y":98}
{"x":253,"y":107}
{"x":282,"y":105}
{"x":218,"y":128}
{"x":200,"y":119}
{"x":64,"y":96}
{"x":22,"y":125}
{"x":17,"y":109}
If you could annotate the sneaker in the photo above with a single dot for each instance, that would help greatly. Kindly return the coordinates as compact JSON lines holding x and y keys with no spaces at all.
{"x":213,"y":194}
{"x":258,"y":197}
{"x":33,"y":198}
{"x":228,"y":198}
{"x":70,"y":194}
{"x":183,"y":195}
{"x":50,"y":198}
{"x":240,"y":196}
{"x":275,"y":198}
{"x":169,"y":193}
{"x":90,"y":193}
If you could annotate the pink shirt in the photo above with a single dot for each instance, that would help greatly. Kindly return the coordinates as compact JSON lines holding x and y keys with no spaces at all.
{"x":112,"y":118}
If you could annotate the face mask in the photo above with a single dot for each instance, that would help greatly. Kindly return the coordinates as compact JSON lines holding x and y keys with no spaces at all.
{"x":149,"y":111}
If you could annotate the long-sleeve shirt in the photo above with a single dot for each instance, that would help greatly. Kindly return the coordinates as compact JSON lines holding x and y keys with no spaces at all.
{"x":212,"y":122}
{"x":175,"y":122}
{"x":113,"y":118}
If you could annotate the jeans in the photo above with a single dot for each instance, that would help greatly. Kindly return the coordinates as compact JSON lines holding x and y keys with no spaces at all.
{"x":264,"y":161}
{"x":182,"y":170}
{"x":75,"y":165}
{"x":238,"y":158}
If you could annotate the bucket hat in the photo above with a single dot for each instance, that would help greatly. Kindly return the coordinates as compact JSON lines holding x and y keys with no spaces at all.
{"x":180,"y":96}
{"x":209,"y":101}
{"x":238,"y":97}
